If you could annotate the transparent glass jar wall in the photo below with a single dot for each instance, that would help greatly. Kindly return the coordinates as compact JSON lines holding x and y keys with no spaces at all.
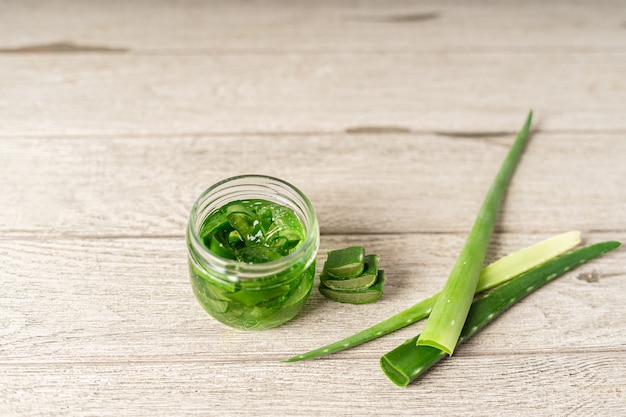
{"x":250,"y":295}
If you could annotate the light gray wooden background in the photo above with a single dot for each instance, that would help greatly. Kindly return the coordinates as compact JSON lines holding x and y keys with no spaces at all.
{"x":392,"y":117}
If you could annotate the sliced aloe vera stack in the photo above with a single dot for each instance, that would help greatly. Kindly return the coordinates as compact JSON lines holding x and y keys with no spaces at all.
{"x":365,"y":296}
{"x":345,"y":263}
{"x":361,"y":282}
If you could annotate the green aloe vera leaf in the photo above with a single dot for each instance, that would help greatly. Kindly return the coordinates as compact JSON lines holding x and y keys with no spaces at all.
{"x":345,"y":263}
{"x":409,"y":360}
{"x":361,"y":282}
{"x":514,"y":264}
{"x":365,"y":296}
{"x":443,"y":327}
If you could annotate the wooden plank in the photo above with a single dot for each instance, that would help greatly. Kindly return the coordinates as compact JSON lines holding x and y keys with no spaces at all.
{"x":128,"y":300}
{"x":276,"y":27}
{"x":61,"y":94}
{"x":361,"y":184}
{"x":549,"y":385}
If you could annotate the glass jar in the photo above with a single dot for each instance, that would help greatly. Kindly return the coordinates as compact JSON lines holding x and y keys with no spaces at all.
{"x":258,"y":293}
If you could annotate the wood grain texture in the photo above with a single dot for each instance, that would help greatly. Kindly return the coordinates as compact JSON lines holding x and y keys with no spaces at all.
{"x":391,"y":116}
{"x":588,"y":384}
{"x":91,"y":300}
{"x":85,"y":318}
{"x":145,"y":186}
{"x":70,"y":94}
{"x":275,"y":27}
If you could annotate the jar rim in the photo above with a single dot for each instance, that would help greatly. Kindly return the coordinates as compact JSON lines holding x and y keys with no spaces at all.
{"x":237,"y":271}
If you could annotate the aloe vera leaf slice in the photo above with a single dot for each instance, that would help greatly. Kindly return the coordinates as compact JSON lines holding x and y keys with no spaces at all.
{"x":257,"y":254}
{"x":361,"y":282}
{"x":345,"y":263}
{"x":408,"y":361}
{"x":368,"y":295}
{"x":244,"y":224}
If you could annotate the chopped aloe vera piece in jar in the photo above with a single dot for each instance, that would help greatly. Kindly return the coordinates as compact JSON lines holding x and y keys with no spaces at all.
{"x":345,"y":263}
{"x":361,"y":282}
{"x":279,"y":242}
{"x":258,"y":254}
{"x":285,"y":228}
{"x":266,"y":217}
{"x":291,"y":235}
{"x":210,"y":297}
{"x":210,"y":303}
{"x":284,"y":218}
{"x":293,"y":239}
{"x":219,"y":306}
{"x":290,"y":245}
{"x":243,"y":224}
{"x":235,"y":240}
{"x":293,"y":298}
{"x":220,"y":249}
{"x":218,"y":227}
{"x":241,"y":207}
{"x":365,"y":296}
{"x":252,"y":298}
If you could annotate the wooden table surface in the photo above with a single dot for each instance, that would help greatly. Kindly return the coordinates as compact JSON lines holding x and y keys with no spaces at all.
{"x":393,"y":118}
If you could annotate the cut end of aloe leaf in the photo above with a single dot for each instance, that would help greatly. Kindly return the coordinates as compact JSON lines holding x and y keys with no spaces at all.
{"x":410,"y":360}
{"x":366,"y":296}
{"x":434,"y":344}
{"x":345,"y":263}
{"x":360,"y":282}
{"x":355,"y":284}
{"x":395,"y":375}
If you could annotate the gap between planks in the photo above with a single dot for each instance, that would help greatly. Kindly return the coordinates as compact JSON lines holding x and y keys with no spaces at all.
{"x":369,"y":130}
{"x":339,"y":356}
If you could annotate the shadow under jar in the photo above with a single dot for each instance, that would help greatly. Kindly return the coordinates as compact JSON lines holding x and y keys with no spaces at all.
{"x":252,"y":242}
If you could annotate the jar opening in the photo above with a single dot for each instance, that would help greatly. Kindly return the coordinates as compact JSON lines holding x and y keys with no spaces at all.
{"x":245,"y":187}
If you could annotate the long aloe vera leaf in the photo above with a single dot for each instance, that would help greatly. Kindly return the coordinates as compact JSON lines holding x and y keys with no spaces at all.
{"x":492,"y":275}
{"x":409,"y":360}
{"x":446,"y":320}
